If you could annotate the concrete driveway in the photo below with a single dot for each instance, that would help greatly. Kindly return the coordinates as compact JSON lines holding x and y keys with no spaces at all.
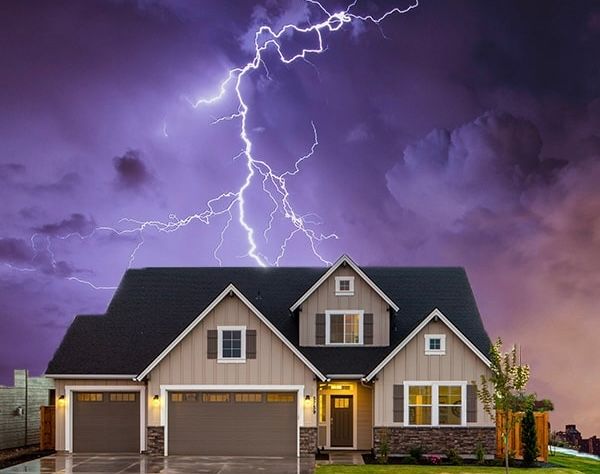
{"x":106,"y":463}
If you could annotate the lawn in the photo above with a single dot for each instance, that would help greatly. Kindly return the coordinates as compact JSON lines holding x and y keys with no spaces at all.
{"x":565,"y":464}
{"x":373,"y":469}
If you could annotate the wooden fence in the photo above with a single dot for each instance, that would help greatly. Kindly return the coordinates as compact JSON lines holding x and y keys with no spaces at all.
{"x":515,"y":444}
{"x":47,"y":425}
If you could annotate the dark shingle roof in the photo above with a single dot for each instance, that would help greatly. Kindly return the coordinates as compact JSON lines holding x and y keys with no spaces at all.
{"x":153,"y":305}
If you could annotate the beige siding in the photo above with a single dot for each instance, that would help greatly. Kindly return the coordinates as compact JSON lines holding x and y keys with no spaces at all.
{"x":364,"y":422}
{"x":187,"y":363}
{"x":59,"y":385}
{"x":364,"y":298}
{"x":411,"y":364}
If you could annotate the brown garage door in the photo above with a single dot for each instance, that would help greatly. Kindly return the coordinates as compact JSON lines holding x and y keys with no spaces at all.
{"x":232,"y":423}
{"x":106,"y":422}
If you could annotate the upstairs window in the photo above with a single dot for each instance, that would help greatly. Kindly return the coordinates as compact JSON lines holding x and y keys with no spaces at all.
{"x":435,"y":344}
{"x":231,"y":343}
{"x":344,"y":327}
{"x":344,"y":286}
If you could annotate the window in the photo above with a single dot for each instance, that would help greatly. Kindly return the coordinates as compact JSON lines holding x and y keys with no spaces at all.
{"x":184,"y":397}
{"x":209,"y":397}
{"x":177,"y":397}
{"x":435,"y":403}
{"x":248,"y":397}
{"x":322,"y":408}
{"x":122,"y":397}
{"x":280,"y":397}
{"x":435,"y":344}
{"x":344,"y":327}
{"x":232,"y":343}
{"x":344,"y":286}
{"x":89,"y":397}
{"x":341,"y":403}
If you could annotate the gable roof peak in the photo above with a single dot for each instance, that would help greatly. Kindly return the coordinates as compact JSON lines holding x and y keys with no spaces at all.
{"x":344,"y":259}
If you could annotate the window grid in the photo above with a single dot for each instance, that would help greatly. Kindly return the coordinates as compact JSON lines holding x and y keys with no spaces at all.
{"x":90,"y":397}
{"x":248,"y":397}
{"x":435,"y":404}
{"x":280,"y":397}
{"x":122,"y":397}
{"x":344,"y":328}
{"x":215,"y":397}
{"x":232,"y":344}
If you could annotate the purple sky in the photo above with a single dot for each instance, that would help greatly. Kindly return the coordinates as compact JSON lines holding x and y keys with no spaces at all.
{"x":461,"y":133}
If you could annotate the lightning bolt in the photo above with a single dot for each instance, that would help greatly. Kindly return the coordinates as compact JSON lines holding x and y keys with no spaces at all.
{"x":232,"y":204}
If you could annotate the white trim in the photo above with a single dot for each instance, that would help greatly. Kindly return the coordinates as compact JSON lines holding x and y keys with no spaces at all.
{"x":435,"y":385}
{"x":68,"y":407}
{"x":231,"y":289}
{"x":231,"y":360}
{"x":344,"y":312}
{"x":90,"y":376}
{"x":435,"y":313}
{"x":165,"y":389}
{"x":441,"y":350}
{"x":333,"y":268}
{"x":339,"y":291}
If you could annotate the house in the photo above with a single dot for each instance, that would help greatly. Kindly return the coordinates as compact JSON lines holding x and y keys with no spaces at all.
{"x":20,"y":409}
{"x":276,"y":361}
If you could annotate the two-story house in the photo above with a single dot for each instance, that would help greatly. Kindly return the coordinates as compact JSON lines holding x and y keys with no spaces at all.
{"x":276,"y":361}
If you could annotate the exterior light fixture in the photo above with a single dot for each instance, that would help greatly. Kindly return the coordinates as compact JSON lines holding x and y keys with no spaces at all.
{"x":61,"y":401}
{"x":156,"y":401}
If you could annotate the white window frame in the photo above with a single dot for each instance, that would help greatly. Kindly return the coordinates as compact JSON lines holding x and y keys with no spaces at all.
{"x":435,"y":406}
{"x":441,"y":350}
{"x":361,"y":319}
{"x":231,"y":360}
{"x":339,"y":291}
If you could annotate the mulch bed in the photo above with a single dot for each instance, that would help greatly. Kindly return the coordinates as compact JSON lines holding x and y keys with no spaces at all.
{"x":10,"y":457}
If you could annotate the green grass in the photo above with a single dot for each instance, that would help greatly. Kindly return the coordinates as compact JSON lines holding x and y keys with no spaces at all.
{"x":586,"y":466}
{"x":564,"y":464}
{"x":373,"y":469}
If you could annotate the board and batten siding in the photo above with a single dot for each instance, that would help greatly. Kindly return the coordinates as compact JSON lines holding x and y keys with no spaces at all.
{"x":187,"y":363}
{"x":60,"y":385}
{"x":411,"y":364}
{"x":364,"y":298}
{"x":364,"y":414}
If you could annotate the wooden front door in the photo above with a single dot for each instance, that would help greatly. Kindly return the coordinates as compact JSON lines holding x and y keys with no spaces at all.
{"x":341,"y":421}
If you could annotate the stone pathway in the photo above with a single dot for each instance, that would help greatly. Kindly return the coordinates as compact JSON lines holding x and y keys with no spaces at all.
{"x":344,"y":457}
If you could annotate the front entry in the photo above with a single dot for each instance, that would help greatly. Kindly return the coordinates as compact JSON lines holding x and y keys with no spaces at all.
{"x":341,"y":421}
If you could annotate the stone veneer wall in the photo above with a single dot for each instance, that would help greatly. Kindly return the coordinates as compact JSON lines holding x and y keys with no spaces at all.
{"x":155,"y":442}
{"x":308,"y":440}
{"x":437,"y":440}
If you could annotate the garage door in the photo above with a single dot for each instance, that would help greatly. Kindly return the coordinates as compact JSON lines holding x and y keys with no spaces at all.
{"x":232,"y":423}
{"x":106,"y":422}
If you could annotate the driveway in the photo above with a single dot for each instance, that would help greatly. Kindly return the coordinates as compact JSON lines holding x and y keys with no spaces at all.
{"x":106,"y":463}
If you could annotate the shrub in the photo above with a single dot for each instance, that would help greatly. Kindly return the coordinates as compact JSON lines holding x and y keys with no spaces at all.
{"x":529,"y":439}
{"x":417,"y":453}
{"x":453,"y":457}
{"x":408,"y":460}
{"x":383,"y":451}
{"x":480,"y":454}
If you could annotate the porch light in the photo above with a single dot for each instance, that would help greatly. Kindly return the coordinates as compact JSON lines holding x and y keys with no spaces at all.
{"x":156,"y":401}
{"x":61,"y":401}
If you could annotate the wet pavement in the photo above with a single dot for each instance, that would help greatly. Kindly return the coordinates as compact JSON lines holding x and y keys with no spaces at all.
{"x":142,"y":464}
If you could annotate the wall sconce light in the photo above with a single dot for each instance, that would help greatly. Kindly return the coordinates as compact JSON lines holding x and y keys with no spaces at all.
{"x":61,"y":401}
{"x":156,"y":401}
{"x":19,"y":411}
{"x":307,"y":403}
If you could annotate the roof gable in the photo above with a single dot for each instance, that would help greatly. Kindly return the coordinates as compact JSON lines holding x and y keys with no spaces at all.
{"x":343,"y":260}
{"x":230,"y":289}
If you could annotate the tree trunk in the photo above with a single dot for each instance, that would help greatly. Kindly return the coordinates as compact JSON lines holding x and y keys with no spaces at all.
{"x":506,"y":453}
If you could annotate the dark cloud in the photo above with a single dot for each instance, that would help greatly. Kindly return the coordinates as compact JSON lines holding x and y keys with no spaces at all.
{"x":65,"y":184}
{"x":75,"y":224}
{"x":131,"y":170}
{"x":15,"y":251}
{"x":10,"y":170}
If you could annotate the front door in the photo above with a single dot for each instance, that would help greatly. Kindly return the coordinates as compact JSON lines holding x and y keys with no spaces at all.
{"x":341,"y":421}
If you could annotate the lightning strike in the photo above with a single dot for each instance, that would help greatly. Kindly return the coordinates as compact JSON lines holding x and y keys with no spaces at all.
{"x":233,"y":204}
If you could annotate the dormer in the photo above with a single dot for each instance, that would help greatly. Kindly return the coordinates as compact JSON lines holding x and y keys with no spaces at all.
{"x":344,"y":308}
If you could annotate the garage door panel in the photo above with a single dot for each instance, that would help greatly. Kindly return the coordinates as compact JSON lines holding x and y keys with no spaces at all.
{"x":232,"y":428}
{"x":105,"y":424}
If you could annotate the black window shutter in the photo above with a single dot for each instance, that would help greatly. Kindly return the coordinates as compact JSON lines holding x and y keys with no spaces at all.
{"x":250,"y":343}
{"x":211,"y":344}
{"x":399,"y":403}
{"x":368,"y":328}
{"x":471,"y":403}
{"x":320,"y":329}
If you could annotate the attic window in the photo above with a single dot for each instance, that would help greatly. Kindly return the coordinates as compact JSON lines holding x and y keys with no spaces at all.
{"x":435,"y":344}
{"x":344,"y":286}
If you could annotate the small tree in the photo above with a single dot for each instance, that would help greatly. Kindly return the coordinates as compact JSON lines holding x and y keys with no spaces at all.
{"x":501,"y":391}
{"x":529,"y":437}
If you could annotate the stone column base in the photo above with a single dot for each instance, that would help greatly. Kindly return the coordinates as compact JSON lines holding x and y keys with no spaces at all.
{"x":155,"y":440}
{"x":308,"y":440}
